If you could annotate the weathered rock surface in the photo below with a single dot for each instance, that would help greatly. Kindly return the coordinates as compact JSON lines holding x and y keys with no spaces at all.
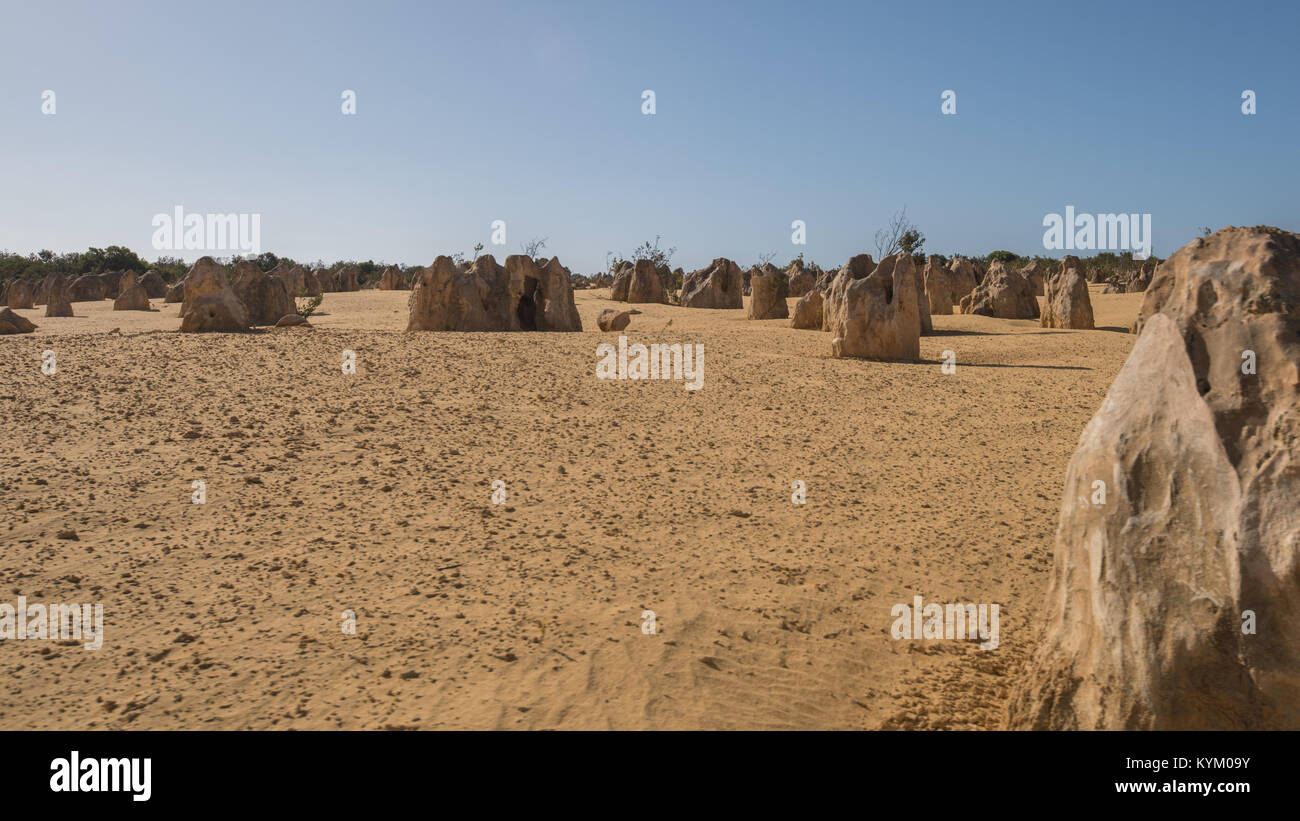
{"x":621,"y":282}
{"x":878,"y":316}
{"x":612,"y":320}
{"x":717,"y":286}
{"x":808,"y":311}
{"x":922,"y":303}
{"x":799,"y":280}
{"x":154,"y":285}
{"x":767,"y":294}
{"x":133,"y":296}
{"x":1035,"y":273}
{"x":936,"y":280}
{"x":858,"y":267}
{"x":210,"y":303}
{"x":646,"y":284}
{"x":391,"y":280}
{"x":1174,"y":603}
{"x":87,"y":288}
{"x":263,"y":296}
{"x":20,"y":295}
{"x":519,"y":297}
{"x":345,"y":279}
{"x":12,"y":323}
{"x":56,"y":296}
{"x":1067,"y":303}
{"x":962,"y":278}
{"x":1003,"y":294}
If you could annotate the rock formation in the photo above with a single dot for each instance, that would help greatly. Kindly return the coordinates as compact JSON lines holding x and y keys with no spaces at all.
{"x":293,"y":277}
{"x":1174,"y":601}
{"x":878,"y":316}
{"x":962,"y":278}
{"x":345,"y":279}
{"x":20,"y":295}
{"x":133,"y":296}
{"x":646,"y":284}
{"x":858,"y":267}
{"x":319,"y":282}
{"x":154,"y":285}
{"x":1003,"y":294}
{"x":767,"y":294}
{"x":939,"y":283}
{"x":1066,"y":303}
{"x":922,"y":303}
{"x":612,"y":320}
{"x":263,"y":296}
{"x":808,"y":311}
{"x":210,"y":303}
{"x":12,"y":323}
{"x":391,"y":280}
{"x":56,"y":296}
{"x":799,"y":280}
{"x":1034,"y":273}
{"x":717,"y":286}
{"x":87,"y":288}
{"x":519,"y":297}
{"x":622,"y":280}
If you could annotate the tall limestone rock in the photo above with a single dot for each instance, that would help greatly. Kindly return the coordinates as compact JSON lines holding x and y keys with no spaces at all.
{"x":1175,"y":599}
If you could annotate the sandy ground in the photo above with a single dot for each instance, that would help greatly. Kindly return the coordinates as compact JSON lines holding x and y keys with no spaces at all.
{"x":372,"y":493}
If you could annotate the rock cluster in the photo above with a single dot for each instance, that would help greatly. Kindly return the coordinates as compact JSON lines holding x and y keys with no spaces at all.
{"x":519,"y":297}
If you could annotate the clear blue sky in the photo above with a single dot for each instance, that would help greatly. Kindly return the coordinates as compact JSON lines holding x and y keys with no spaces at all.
{"x":531,"y":112}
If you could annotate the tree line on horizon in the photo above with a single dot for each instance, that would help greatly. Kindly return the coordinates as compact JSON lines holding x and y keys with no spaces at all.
{"x":38,"y":265}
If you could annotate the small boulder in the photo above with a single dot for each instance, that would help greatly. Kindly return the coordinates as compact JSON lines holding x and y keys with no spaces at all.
{"x":612,"y":320}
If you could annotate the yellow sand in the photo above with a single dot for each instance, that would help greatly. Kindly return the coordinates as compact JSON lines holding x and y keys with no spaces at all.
{"x":372,"y":493}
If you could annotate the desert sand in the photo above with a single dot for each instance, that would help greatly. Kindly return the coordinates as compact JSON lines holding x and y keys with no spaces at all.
{"x":372,"y":493}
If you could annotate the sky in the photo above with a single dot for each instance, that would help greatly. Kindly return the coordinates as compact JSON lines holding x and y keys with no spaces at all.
{"x":532,"y":113}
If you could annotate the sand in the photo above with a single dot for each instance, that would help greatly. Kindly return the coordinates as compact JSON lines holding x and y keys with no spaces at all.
{"x":372,"y":493}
